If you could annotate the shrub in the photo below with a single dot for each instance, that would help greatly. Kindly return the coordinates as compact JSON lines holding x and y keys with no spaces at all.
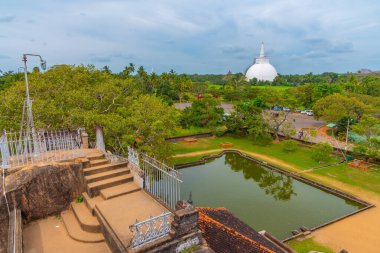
{"x":321,"y":152}
{"x":313,"y":132}
{"x":79,"y":199}
{"x":219,"y":131}
{"x":289,"y":146}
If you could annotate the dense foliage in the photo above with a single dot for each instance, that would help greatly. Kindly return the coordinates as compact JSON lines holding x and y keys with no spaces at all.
{"x":70,"y":97}
{"x":135,"y":107}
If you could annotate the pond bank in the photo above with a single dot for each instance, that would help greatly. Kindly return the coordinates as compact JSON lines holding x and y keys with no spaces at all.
{"x":358,"y":233}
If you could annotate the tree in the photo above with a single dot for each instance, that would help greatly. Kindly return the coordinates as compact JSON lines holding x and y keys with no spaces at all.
{"x":368,"y":126}
{"x":278,"y":123}
{"x":71,"y":97}
{"x":289,"y":146}
{"x":205,"y":112}
{"x":336,"y":106}
{"x":247,"y":120}
{"x":321,"y":152}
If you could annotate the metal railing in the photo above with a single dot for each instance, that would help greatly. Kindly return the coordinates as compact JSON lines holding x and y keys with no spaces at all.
{"x":21,"y":149}
{"x":151,"y":229}
{"x":162,"y":181}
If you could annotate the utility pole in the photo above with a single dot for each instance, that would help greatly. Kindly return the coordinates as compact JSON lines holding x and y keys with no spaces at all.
{"x":348,"y":126}
{"x":30,"y":121}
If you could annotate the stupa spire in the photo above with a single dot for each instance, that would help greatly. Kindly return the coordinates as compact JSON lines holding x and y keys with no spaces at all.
{"x":262,"y":51}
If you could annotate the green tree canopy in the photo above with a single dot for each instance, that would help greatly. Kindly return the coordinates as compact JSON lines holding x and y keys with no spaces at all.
{"x":336,"y":106}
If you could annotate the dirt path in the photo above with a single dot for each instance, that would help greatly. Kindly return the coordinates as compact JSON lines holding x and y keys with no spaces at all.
{"x":358,"y":233}
{"x":265,"y":158}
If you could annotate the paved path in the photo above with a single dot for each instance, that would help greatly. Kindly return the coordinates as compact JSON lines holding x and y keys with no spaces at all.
{"x":359,"y":233}
{"x":49,"y":236}
{"x":123,"y":211}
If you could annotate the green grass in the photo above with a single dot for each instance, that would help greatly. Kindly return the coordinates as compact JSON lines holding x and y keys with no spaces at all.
{"x":280,"y":88}
{"x":308,"y":245}
{"x":190,"y":131}
{"x":368,"y":180}
{"x":214,"y":86}
{"x":179,"y":160}
{"x":300,"y":159}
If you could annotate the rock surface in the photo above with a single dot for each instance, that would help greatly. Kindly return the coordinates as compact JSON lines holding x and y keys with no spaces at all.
{"x":40,"y":191}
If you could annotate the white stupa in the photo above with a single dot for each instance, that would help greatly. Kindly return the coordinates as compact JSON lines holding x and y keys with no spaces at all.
{"x":261,"y":69}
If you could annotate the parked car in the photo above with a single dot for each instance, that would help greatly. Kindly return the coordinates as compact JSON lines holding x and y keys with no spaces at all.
{"x":304,"y":111}
{"x":277,"y":108}
{"x":309,"y":113}
{"x":286,"y":109}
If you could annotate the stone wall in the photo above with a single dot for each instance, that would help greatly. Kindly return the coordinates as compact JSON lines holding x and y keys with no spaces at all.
{"x":40,"y":191}
{"x":4,"y":224}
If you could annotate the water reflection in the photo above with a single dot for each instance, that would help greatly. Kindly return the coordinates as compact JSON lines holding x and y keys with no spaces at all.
{"x":279,"y":186}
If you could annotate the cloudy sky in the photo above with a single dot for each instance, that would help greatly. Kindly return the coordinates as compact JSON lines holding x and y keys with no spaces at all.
{"x":197,"y":36}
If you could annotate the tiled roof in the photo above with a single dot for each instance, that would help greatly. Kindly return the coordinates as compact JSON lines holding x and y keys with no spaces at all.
{"x":226,"y":233}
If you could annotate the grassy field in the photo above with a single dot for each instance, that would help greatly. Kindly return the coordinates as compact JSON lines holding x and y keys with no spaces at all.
{"x":368,"y":180}
{"x":300,"y":159}
{"x":308,"y":245}
{"x":281,"y":88}
{"x":190,"y":131}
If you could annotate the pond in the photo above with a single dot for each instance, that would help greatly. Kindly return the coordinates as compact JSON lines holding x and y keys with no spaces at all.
{"x":263,"y":198}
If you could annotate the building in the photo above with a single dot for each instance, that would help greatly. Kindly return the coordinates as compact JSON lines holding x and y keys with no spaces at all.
{"x":262,"y":70}
{"x":225,"y":233}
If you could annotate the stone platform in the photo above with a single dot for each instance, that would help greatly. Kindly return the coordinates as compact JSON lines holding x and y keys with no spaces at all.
{"x":121,"y":212}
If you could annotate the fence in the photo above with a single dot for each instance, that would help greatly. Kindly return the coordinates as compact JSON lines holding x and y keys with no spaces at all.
{"x":162,"y":181}
{"x":150,"y":229}
{"x":20,"y":149}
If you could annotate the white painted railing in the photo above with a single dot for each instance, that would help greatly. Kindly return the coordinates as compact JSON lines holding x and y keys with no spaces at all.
{"x":24,"y":149}
{"x":151,"y":229}
{"x":162,"y":181}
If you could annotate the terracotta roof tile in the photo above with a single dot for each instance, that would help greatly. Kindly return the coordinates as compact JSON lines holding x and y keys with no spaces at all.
{"x":226,"y":233}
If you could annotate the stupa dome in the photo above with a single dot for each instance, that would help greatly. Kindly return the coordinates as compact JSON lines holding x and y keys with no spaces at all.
{"x":262,"y":70}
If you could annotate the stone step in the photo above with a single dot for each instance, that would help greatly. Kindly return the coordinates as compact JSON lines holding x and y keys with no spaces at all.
{"x":86,"y":220}
{"x":119,"y":190}
{"x":95,"y":156}
{"x":93,"y":189}
{"x":91,"y":202}
{"x":98,"y":162}
{"x":76,"y":232}
{"x":106,"y":174}
{"x":103,"y":168}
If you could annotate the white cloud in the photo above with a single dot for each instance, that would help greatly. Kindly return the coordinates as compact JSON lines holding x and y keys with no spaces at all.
{"x":193,"y":36}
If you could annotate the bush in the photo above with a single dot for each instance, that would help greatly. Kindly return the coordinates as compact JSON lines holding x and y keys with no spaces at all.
{"x":264,"y":139}
{"x":289,"y":146}
{"x":321,"y":152}
{"x":219,"y":131}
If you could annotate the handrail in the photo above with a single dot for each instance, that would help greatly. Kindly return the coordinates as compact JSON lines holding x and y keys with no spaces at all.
{"x":150,"y":229}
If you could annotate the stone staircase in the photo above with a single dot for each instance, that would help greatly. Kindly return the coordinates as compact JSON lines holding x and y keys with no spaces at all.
{"x":104,"y":180}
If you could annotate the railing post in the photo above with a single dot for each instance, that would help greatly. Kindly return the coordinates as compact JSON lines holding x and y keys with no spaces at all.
{"x":4,"y":149}
{"x":100,"y":138}
{"x":84,"y":137}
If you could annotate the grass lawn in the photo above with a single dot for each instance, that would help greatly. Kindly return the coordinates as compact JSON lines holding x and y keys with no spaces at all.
{"x":300,"y":159}
{"x":187,"y":159}
{"x":190,"y":131}
{"x":308,"y":245}
{"x":280,"y":88}
{"x":214,"y":86}
{"x":368,"y":180}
